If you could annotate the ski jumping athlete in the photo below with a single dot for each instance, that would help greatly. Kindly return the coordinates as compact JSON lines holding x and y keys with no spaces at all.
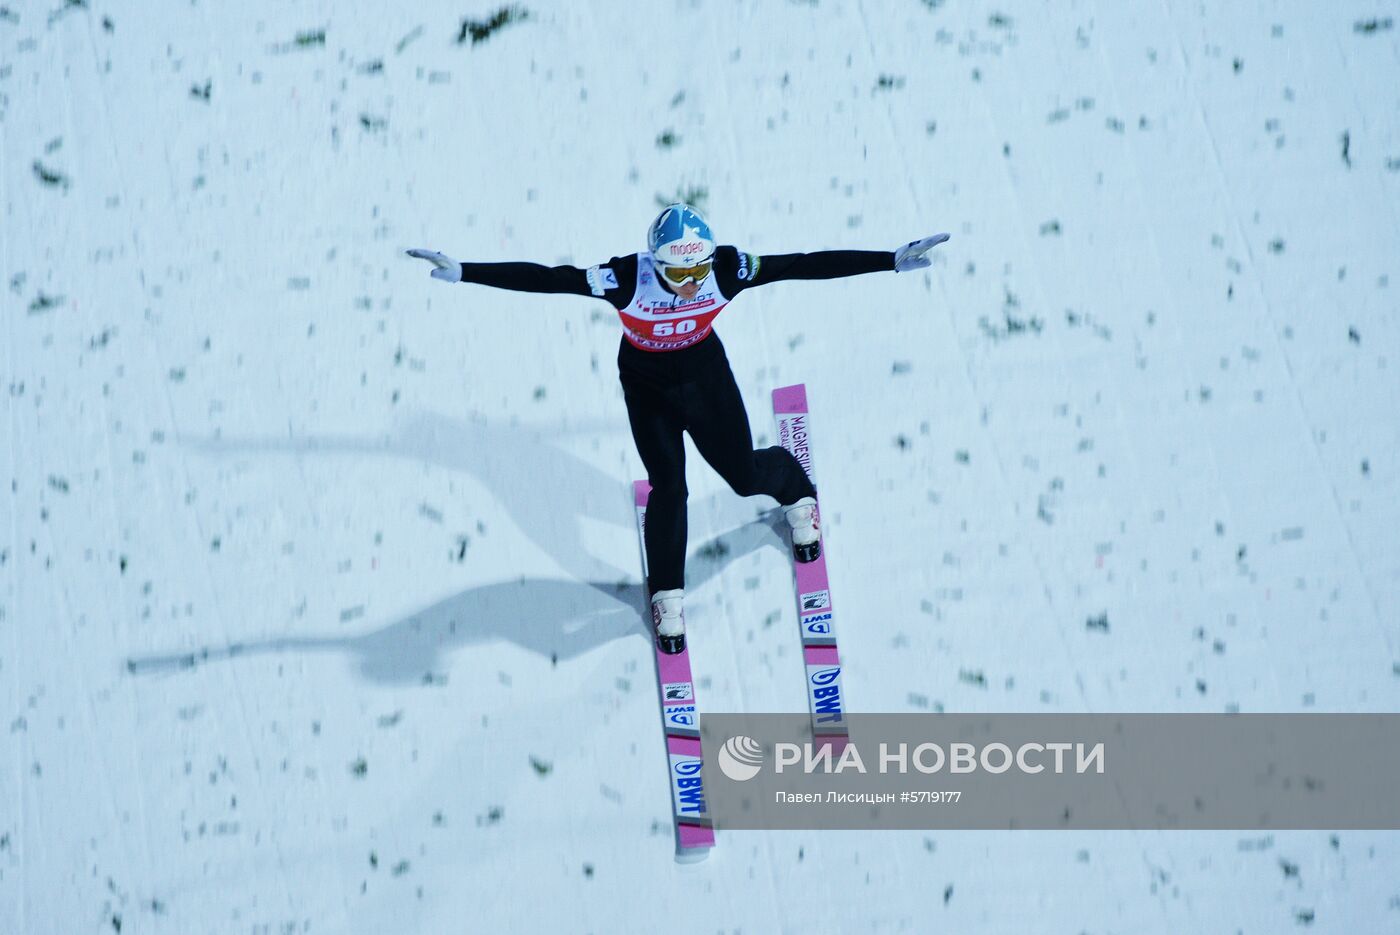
{"x":676,"y":378}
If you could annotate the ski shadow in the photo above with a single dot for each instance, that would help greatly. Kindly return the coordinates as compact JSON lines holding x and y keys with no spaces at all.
{"x":555,"y":619}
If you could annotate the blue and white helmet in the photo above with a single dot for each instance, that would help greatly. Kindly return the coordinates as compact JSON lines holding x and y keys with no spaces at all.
{"x":680,"y":237}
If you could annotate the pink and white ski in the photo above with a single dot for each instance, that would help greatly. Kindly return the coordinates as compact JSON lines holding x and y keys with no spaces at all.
{"x":680,"y":718}
{"x":815,"y":609}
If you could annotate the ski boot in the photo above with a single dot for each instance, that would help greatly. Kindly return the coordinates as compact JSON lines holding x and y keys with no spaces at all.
{"x":669,"y":620}
{"x":806,"y":529}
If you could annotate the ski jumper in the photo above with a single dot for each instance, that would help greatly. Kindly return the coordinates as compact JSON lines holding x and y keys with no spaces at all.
{"x":676,"y":377}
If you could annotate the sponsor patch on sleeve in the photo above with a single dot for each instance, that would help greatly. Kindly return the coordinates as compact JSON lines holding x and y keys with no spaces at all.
{"x":748,"y":266}
{"x":601,"y":279}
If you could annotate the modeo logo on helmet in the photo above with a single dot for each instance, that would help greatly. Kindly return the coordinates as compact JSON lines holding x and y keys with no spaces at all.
{"x":684,"y":251}
{"x":680,"y":236}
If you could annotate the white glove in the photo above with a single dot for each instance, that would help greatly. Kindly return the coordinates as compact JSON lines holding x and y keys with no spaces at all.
{"x":448,"y":269}
{"x":911,"y":255}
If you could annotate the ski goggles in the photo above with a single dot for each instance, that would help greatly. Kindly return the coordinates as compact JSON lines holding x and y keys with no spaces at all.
{"x":679,"y":275}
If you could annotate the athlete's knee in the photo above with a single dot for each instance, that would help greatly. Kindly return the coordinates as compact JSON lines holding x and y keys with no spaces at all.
{"x":745,"y":479}
{"x":672,"y":490}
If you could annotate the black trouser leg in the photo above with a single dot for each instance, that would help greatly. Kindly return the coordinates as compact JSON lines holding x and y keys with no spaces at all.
{"x":719,"y":425}
{"x":656,"y":429}
{"x":711,"y":409}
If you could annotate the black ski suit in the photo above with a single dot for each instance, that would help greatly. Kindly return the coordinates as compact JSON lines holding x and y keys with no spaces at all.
{"x":692,"y":389}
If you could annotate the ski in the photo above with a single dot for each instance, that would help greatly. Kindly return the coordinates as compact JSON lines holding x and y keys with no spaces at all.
{"x":815,"y":610}
{"x":680,"y":719}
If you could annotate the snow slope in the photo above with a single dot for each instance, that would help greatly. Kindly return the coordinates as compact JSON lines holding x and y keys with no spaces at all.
{"x":321,"y":590}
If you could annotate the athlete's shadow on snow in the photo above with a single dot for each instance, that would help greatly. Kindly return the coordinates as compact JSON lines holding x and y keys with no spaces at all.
{"x":546,"y":490}
{"x":556,"y":618}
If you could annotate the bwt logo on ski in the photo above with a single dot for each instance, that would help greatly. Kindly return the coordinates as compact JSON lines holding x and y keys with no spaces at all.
{"x":818,"y":623}
{"x":740,"y":758}
{"x":826,"y":694}
{"x":688,"y":786}
{"x":682,"y":715}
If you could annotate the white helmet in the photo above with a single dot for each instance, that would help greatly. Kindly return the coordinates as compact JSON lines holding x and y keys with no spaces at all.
{"x":681,"y":244}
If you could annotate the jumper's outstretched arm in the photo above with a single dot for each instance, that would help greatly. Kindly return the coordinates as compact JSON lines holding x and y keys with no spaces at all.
{"x":751,"y":270}
{"x":518,"y":277}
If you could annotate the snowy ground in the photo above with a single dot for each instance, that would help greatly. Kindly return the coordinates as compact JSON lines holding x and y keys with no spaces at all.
{"x":311,"y":617}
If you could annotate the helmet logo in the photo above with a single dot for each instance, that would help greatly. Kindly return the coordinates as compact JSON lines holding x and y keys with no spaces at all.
{"x":684,"y":250}
{"x":680,"y":236}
